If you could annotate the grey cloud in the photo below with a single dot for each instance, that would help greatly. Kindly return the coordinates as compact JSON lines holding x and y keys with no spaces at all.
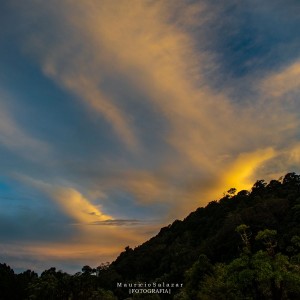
{"x":121,"y":222}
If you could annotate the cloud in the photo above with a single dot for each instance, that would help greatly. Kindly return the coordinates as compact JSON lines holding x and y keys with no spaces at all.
{"x":95,"y":245}
{"x":120,"y":222}
{"x":240,"y":175}
{"x":87,"y":54}
{"x":70,"y":201}
{"x":77,"y":206}
{"x":146,"y":186}
{"x":69,"y":256}
{"x":282,"y":82}
{"x":294,"y":153}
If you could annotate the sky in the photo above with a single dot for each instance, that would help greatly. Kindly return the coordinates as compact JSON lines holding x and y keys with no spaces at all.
{"x":118,"y":117}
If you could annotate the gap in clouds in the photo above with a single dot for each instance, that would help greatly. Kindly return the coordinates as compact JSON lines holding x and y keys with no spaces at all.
{"x":253,"y":38}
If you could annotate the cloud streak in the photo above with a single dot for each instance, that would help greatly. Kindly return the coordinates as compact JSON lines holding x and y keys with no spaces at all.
{"x":283,"y":82}
{"x":119,"y":222}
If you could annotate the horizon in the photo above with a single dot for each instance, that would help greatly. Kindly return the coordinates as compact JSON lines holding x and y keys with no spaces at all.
{"x":117,"y":118}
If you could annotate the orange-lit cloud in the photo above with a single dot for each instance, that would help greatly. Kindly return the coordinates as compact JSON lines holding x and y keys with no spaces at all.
{"x":77,"y":206}
{"x":136,"y":42}
{"x":44,"y":255}
{"x":240,"y":174}
{"x":282,"y":82}
{"x":70,"y":201}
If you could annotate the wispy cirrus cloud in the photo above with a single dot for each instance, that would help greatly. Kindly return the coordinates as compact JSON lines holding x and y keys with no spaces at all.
{"x":167,"y":105}
{"x":283,"y":82}
{"x":151,"y":51}
{"x":69,"y":200}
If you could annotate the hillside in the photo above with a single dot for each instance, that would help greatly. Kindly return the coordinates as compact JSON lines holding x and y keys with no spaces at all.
{"x":211,"y":230}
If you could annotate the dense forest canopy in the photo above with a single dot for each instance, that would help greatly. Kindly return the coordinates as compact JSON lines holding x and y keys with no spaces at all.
{"x":244,"y":246}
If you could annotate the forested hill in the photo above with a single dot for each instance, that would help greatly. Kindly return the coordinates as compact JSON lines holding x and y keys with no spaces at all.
{"x":211,"y":230}
{"x":244,"y":246}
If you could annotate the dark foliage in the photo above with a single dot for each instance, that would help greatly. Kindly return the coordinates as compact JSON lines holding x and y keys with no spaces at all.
{"x":211,"y":231}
